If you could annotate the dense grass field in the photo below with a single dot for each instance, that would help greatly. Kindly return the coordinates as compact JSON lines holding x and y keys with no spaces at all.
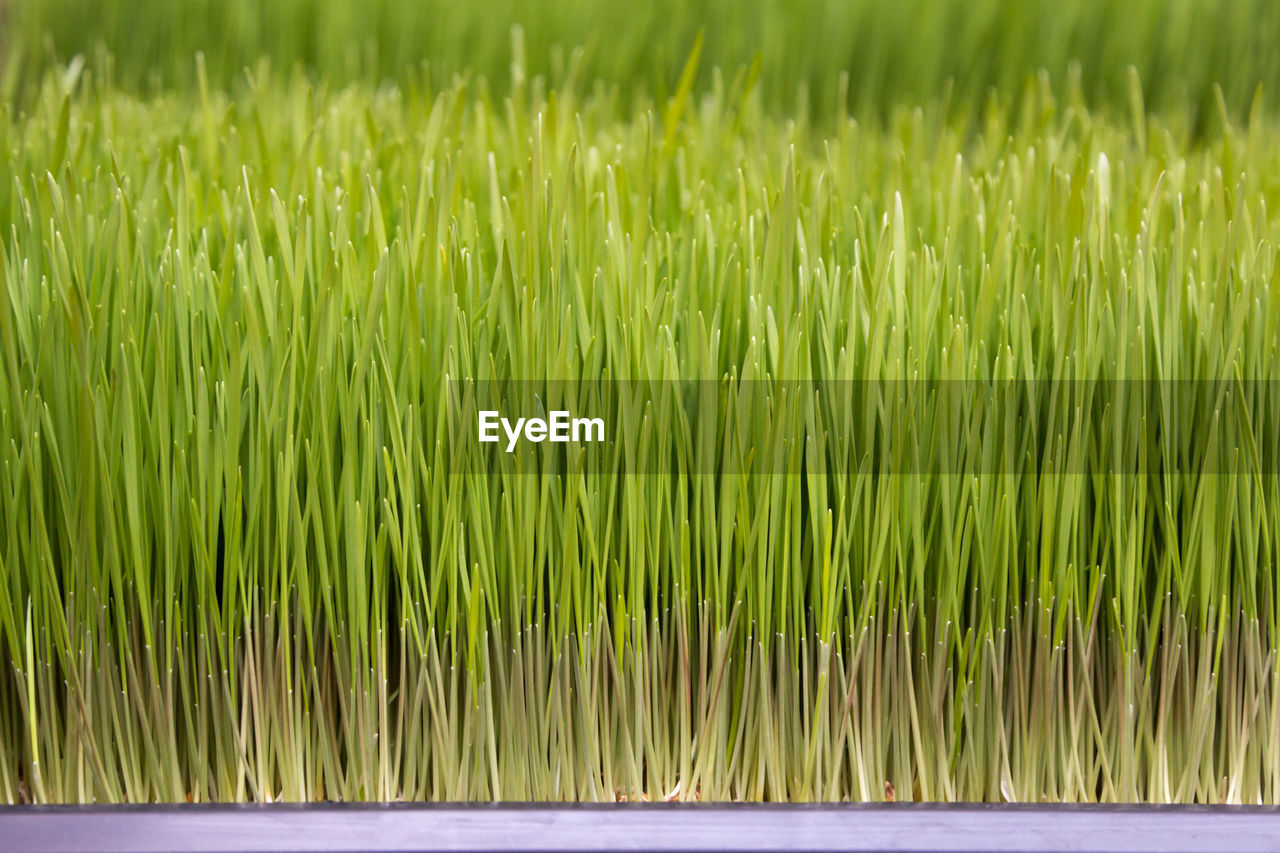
{"x":937,"y":348}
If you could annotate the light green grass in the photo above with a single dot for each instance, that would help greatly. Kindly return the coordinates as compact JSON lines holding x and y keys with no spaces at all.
{"x":242,"y":556}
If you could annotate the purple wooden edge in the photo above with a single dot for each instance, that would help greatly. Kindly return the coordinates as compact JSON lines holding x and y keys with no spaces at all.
{"x":401,"y":828}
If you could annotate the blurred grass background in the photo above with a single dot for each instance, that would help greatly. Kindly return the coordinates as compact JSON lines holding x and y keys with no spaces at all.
{"x":1184,"y":51}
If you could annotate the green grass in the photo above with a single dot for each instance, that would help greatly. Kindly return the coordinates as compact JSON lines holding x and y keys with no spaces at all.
{"x":249,"y":551}
{"x":906,"y":50}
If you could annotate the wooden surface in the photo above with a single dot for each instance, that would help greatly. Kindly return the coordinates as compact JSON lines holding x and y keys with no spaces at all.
{"x":399,"y":828}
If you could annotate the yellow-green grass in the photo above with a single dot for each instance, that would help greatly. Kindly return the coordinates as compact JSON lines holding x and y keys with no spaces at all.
{"x":246,"y":553}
